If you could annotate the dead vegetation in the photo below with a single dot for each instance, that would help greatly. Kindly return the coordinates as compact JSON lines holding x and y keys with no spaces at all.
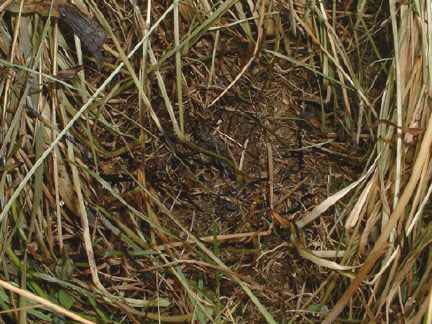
{"x":216,"y":162}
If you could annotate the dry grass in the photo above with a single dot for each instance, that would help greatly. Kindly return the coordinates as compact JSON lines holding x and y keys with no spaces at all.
{"x":225,"y":162}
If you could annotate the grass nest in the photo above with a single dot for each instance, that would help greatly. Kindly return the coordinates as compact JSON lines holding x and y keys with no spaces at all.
{"x":224,"y":162}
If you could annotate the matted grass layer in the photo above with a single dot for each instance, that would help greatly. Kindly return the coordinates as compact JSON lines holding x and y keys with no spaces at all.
{"x":224,"y":162}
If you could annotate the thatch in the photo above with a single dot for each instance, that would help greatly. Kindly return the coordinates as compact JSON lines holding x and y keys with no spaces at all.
{"x":235,"y":161}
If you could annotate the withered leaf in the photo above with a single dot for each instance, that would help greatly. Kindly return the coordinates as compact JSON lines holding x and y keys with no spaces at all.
{"x":89,"y":32}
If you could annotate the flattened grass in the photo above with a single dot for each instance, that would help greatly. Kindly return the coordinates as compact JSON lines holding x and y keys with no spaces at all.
{"x":234,"y":161}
